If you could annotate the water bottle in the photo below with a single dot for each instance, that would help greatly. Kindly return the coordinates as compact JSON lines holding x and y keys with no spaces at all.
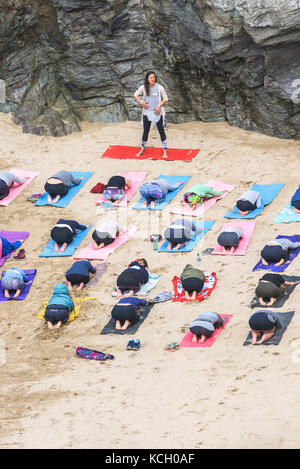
{"x":198,"y":260}
{"x":155,"y":244}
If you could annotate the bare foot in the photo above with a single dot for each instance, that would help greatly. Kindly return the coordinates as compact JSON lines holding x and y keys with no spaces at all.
{"x":145,"y":203}
{"x":165,"y":154}
{"x":56,"y":248}
{"x":58,"y":325}
{"x":187,"y":296}
{"x":141,"y":152}
{"x":194,"y":339}
{"x":70,"y":286}
{"x":178,"y":246}
{"x":152,"y":204}
{"x":118,"y":325}
{"x":62,"y":249}
{"x":125,"y":325}
{"x":264,"y":262}
{"x":169,"y":247}
{"x":232,"y":250}
{"x":80,"y":286}
{"x":255,"y":335}
{"x":50,"y":325}
{"x":203,"y":339}
{"x":266,"y":336}
{"x":193,"y":297}
{"x":17,"y":293}
{"x":6,"y":294}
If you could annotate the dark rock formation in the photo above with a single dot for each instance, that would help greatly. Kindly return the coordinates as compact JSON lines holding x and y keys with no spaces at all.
{"x":63,"y":61}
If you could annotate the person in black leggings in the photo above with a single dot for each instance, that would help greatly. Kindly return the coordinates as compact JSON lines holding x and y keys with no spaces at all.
{"x":263,"y":323}
{"x":154,"y":98}
{"x":132,"y":278}
{"x":79,"y":274}
{"x":126,"y":311}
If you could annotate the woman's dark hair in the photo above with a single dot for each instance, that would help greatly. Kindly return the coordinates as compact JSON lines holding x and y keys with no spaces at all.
{"x":219,"y":323}
{"x":147,"y":84}
{"x":143,"y":262}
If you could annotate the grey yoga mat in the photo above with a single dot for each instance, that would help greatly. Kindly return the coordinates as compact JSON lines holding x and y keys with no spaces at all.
{"x":110,"y":326}
{"x":282,"y":298}
{"x":285,"y":319}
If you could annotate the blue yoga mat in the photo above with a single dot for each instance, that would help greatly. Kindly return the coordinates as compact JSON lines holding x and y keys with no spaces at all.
{"x":268,"y":193}
{"x":72,"y":191}
{"x":170,"y":195}
{"x":48,"y":250}
{"x":206,"y":226}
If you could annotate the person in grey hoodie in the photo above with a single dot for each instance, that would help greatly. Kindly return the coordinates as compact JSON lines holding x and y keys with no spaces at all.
{"x":59,"y":184}
{"x":180,"y":232}
{"x":7,"y":179}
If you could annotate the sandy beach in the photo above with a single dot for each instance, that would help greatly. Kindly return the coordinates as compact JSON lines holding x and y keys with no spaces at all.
{"x":226,"y":396}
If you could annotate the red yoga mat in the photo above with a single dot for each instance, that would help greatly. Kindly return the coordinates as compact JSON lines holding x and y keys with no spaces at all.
{"x":124,"y":152}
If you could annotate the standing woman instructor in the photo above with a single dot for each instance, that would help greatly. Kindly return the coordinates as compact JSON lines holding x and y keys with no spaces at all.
{"x":154,"y":98}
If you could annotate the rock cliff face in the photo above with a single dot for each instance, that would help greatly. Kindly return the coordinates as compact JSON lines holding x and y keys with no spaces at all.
{"x":63,"y":61}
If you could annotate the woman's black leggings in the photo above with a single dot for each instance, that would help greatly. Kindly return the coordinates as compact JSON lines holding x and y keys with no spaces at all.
{"x":160,"y":128}
{"x":125,"y":313}
{"x":192,"y":284}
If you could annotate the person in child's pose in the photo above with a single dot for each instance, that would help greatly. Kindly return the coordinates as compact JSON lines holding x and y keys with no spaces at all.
{"x":105,"y":234}
{"x":59,"y":307}
{"x":249,"y":201}
{"x":7,"y":180}
{"x":155,"y":192}
{"x":270,"y":287}
{"x":13,"y":279}
{"x":199,"y":193}
{"x":79,"y":274}
{"x":180,"y":232}
{"x":295,"y":201}
{"x":6,"y":246}
{"x":132,"y":278}
{"x":126,"y":311}
{"x":115,"y":188}
{"x":229,"y":239}
{"x":204,"y":326}
{"x":265,"y":323}
{"x":63,"y":233}
{"x":59,"y":184}
{"x":277,"y":251}
{"x":192,"y":280}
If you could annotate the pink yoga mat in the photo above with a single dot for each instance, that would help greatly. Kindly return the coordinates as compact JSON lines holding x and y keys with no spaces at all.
{"x":216,"y":185}
{"x":136,"y":179}
{"x":102,"y":254}
{"x":12,"y":236}
{"x":187,"y":340}
{"x":15,"y":190}
{"x":247,"y":227}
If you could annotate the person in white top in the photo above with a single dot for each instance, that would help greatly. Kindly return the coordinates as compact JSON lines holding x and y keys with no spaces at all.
{"x":105,"y":234}
{"x":154,"y":98}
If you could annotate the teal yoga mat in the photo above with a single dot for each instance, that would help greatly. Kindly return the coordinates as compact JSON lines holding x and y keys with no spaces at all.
{"x":206,"y":226}
{"x":268,"y":193}
{"x":172,"y":180}
{"x":63,"y":202}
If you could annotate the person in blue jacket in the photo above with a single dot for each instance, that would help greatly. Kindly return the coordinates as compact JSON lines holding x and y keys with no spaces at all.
{"x":295,"y":201}
{"x":126,"y":311}
{"x":79,"y":274}
{"x":6,"y":246}
{"x":59,"y":307}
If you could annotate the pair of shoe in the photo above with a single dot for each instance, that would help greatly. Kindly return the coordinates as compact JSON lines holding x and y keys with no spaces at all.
{"x":172,"y":346}
{"x":34,"y":197}
{"x":134,"y":344}
{"x":20,"y":255}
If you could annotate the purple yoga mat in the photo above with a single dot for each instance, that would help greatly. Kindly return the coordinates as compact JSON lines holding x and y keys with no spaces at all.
{"x":12,"y":236}
{"x":30,"y":275}
{"x":294,"y":253}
